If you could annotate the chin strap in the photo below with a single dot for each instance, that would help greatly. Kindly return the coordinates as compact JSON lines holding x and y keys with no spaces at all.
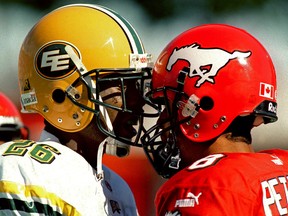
{"x":111,"y":144}
{"x":100,"y":172}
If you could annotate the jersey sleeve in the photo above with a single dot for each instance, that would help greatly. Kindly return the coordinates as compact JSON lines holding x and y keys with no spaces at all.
{"x":45,"y":178}
{"x":120,"y":193}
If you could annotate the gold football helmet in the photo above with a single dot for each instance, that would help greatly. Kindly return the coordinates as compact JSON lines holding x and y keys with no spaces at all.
{"x":64,"y":58}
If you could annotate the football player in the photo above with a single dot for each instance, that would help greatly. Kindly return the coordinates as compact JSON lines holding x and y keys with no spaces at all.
{"x":216,"y":83}
{"x":82,"y":67}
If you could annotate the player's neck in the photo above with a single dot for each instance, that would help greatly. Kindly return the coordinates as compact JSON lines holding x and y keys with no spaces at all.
{"x":222,"y":144}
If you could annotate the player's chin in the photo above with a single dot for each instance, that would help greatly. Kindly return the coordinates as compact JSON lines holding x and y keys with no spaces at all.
{"x":125,"y":126}
{"x":126,"y":131}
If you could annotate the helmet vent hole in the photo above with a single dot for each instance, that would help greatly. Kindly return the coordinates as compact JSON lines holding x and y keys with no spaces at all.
{"x":58,"y":96}
{"x":206,"y":103}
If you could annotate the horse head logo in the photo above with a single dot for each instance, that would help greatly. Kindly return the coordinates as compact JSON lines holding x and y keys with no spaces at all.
{"x":204,"y":62}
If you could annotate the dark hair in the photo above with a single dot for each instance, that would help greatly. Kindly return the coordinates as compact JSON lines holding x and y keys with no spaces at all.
{"x":240,"y":129}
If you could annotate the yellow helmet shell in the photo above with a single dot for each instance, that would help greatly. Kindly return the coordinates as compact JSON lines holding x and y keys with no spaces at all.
{"x":99,"y":37}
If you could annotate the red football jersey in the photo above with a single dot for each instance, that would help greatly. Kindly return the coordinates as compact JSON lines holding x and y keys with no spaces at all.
{"x":228,"y":184}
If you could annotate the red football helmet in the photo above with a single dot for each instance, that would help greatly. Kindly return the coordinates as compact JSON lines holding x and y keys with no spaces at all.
{"x":212,"y":74}
{"x":11,"y":125}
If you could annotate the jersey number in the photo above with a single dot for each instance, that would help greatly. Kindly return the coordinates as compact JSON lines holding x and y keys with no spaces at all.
{"x":206,"y":161}
{"x":42,"y":153}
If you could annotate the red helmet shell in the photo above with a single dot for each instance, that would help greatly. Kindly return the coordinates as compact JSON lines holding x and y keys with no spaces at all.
{"x":227,"y":65}
{"x":10,"y":119}
{"x":8,"y":109}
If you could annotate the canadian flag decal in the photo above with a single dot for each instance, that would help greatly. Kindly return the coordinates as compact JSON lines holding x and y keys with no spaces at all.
{"x":266,"y":90}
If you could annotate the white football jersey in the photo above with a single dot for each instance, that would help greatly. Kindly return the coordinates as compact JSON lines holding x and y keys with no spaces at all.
{"x":47,"y":178}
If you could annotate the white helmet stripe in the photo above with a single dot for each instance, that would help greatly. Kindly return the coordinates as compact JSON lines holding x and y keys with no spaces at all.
{"x":133,"y":38}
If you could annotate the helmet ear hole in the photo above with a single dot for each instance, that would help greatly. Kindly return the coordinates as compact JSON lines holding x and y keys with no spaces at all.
{"x":206,"y":103}
{"x":58,"y":96}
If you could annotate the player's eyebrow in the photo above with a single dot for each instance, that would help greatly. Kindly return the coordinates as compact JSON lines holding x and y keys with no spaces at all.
{"x":110,"y":93}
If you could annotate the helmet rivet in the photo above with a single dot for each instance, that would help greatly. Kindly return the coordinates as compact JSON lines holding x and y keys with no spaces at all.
{"x":78,"y":123}
{"x":196,"y":135}
{"x":75,"y":116}
{"x":188,"y":122}
{"x":196,"y":126}
{"x":60,"y":120}
{"x":82,"y":110}
{"x":77,"y":96}
{"x":215,"y":126}
{"x":45,"y":109}
{"x":223,"y":118}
